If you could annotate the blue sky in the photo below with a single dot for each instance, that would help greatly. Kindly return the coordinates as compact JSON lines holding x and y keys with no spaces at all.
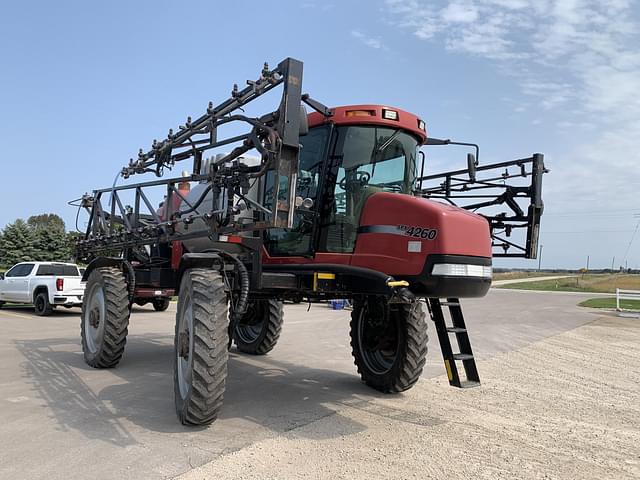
{"x":85,"y":84}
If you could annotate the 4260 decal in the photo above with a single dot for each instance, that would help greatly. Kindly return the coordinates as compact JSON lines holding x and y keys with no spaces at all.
{"x":419,"y":232}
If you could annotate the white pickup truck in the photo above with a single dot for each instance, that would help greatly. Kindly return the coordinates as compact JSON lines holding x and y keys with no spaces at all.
{"x":43,"y":284}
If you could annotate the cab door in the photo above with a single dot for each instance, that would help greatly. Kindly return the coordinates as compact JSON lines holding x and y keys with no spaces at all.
{"x":299,"y":240}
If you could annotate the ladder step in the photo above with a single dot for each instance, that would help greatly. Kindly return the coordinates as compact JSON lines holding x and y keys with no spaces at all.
{"x":469,"y":384}
{"x":450,"y":304}
{"x":456,"y":330}
{"x":462,"y":356}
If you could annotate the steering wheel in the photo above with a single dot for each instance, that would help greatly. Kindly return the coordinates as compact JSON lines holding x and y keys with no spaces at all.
{"x":362,"y":178}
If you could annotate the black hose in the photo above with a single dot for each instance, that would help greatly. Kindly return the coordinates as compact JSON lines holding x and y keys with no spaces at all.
{"x":241,"y":307}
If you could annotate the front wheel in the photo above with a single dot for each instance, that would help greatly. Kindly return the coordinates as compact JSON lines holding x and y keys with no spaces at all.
{"x":105,"y":317}
{"x":259,"y":329}
{"x":41,"y":305}
{"x":200,"y":346}
{"x":389,"y":343}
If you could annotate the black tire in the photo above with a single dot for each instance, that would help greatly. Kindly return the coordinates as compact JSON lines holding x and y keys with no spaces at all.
{"x":160,"y":304}
{"x":389,"y":343}
{"x":200,"y":347}
{"x":259,"y":329}
{"x":41,"y":304}
{"x":105,"y":317}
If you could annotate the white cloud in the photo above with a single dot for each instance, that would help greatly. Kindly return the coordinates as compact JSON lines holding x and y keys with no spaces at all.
{"x":576,"y":59}
{"x":459,"y":12}
{"x":371,"y":42}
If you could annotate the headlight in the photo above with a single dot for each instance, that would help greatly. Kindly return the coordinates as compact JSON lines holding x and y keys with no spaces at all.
{"x":462,"y":270}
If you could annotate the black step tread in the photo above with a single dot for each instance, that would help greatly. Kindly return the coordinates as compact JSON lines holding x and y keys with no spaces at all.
{"x":462,"y":356}
{"x":450,"y":304}
{"x":456,"y":330}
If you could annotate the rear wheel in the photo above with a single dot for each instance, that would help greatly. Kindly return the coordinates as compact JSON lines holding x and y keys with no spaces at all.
{"x":41,"y":304}
{"x":160,"y":304}
{"x":259,"y":329}
{"x":389,"y":343}
{"x":105,"y":318}
{"x":200,"y":359}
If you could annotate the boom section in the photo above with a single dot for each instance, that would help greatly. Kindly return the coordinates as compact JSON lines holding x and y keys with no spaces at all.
{"x":113,"y":224}
{"x":508,"y":194}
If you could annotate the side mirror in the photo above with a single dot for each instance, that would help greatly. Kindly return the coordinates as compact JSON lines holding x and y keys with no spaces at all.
{"x":304,"y":121}
{"x":472,"y":163}
{"x":1,"y":276}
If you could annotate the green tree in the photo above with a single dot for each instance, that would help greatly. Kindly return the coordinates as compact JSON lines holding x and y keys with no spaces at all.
{"x":49,"y":221}
{"x":50,"y":238}
{"x":16,"y":244}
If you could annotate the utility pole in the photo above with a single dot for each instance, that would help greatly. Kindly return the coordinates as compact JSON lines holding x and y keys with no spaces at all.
{"x":540,"y":257}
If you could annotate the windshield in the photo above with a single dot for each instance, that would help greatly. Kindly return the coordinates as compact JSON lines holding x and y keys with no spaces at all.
{"x":371,"y":160}
{"x":378,"y":157}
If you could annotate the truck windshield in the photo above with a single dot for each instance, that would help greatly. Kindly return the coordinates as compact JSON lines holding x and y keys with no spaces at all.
{"x":370,"y":159}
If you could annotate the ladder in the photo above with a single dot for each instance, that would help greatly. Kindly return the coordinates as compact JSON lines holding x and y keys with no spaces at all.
{"x":457,"y":327}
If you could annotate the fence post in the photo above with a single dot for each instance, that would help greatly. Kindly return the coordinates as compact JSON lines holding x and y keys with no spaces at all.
{"x":617,"y":299}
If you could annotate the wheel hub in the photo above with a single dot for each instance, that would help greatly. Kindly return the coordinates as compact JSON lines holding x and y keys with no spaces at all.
{"x":183,"y":344}
{"x":94,"y":317}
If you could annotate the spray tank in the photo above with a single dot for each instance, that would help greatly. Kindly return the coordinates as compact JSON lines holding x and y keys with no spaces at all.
{"x":193,"y":192}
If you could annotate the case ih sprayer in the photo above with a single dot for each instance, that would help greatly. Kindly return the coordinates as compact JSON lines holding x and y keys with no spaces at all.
{"x":330,"y":205}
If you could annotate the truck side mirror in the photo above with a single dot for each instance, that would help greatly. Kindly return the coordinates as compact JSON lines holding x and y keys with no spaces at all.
{"x":304,"y":122}
{"x":1,"y":276}
{"x":472,"y":163}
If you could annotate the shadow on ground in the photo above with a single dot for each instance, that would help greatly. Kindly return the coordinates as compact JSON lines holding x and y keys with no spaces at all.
{"x":102,"y":404}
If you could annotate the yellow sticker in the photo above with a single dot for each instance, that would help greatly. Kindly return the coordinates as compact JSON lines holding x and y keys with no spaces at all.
{"x":448,"y":367}
{"x":326,"y":276}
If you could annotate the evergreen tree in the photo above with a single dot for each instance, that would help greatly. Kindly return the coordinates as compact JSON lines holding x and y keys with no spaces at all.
{"x":16,"y":244}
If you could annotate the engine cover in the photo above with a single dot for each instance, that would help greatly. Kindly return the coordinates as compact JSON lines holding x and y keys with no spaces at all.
{"x":443,"y":250}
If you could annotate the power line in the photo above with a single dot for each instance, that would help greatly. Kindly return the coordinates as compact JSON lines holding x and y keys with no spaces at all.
{"x":631,"y":241}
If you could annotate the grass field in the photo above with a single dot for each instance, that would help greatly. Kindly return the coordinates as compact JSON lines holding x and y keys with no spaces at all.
{"x":603,"y":283}
{"x":610,"y":302}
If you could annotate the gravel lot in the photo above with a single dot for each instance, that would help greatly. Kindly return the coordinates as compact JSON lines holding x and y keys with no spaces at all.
{"x":560,"y":399}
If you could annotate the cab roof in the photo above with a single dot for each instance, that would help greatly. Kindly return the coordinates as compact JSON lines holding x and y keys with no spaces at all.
{"x":380,"y":115}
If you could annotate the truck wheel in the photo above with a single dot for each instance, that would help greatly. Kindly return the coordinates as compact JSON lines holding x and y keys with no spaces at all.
{"x":105,"y":318}
{"x":259,"y":329}
{"x":200,"y":360}
{"x":41,"y":304}
{"x":389,"y":343}
{"x":160,"y":304}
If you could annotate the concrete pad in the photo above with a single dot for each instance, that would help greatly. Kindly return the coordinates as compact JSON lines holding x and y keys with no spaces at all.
{"x":63,"y":419}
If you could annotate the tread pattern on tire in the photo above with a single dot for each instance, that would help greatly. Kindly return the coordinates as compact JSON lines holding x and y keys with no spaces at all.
{"x":116,"y":322}
{"x":273,"y":310}
{"x":210,"y":355}
{"x":413,"y":352}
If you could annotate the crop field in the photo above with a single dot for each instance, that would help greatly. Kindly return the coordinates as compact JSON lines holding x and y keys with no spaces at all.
{"x":602,"y":283}
{"x":517,"y":275}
